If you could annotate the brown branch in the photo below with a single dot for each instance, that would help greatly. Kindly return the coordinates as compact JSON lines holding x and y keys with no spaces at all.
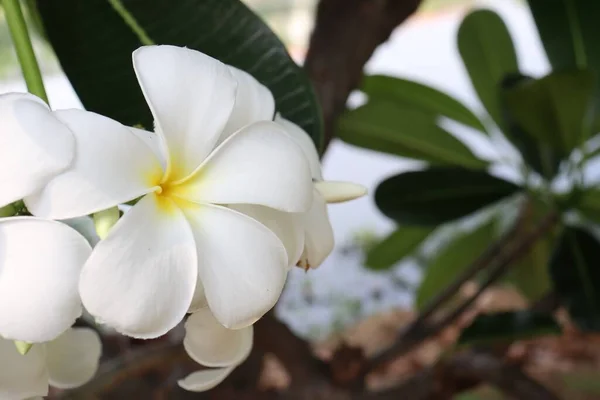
{"x":346,"y":34}
{"x":419,"y":331}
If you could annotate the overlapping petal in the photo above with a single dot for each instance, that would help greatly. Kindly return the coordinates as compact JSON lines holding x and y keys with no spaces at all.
{"x":211,"y":344}
{"x":306,"y":144}
{"x":319,"y":241}
{"x":25,"y":376}
{"x":242,"y":264}
{"x":141,"y":278}
{"x":112,"y":166}
{"x":253,"y":103}
{"x":34,"y":146}
{"x":72,"y":358}
{"x":191,"y":96}
{"x":40,"y":263}
{"x":260,"y":165}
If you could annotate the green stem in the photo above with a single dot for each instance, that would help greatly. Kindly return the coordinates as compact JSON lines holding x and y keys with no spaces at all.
{"x":22,"y":42}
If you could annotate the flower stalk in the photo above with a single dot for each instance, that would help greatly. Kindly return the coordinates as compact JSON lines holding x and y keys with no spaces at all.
{"x":24,"y":48}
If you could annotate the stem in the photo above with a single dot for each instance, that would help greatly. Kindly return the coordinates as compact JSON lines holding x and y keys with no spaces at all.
{"x":22,"y":42}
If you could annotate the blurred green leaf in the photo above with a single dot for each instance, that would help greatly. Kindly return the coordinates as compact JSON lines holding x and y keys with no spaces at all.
{"x":391,"y":128}
{"x":589,"y":204}
{"x":508,"y":327}
{"x":569,"y":31}
{"x":413,"y":94}
{"x":391,"y":250}
{"x":439,"y":194}
{"x":94,"y":46}
{"x":538,"y":155}
{"x":554,"y":109}
{"x":453,"y":259}
{"x":576,"y":276}
{"x":488,"y":54}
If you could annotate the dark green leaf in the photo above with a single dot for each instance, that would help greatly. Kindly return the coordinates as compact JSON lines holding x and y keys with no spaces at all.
{"x":589,"y":204}
{"x":538,"y":155}
{"x":453,"y":259}
{"x":390,"y":128}
{"x":576,"y":276}
{"x":569,"y":31}
{"x":488,"y":54}
{"x":439,"y":194}
{"x":554,"y":109}
{"x":391,"y":250}
{"x":94,"y":47}
{"x":413,"y":94}
{"x":509,"y":326}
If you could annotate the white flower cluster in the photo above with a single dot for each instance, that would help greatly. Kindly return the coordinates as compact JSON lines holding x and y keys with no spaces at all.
{"x":226,"y":201}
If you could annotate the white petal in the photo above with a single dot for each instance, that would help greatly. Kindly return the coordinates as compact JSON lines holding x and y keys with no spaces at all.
{"x":211,"y":344}
{"x":112,"y":166}
{"x":305,"y":142}
{"x":204,"y":380}
{"x":39,"y":271}
{"x":241,"y":263}
{"x":319,"y":240}
{"x":73,"y":358}
{"x":85,"y":226}
{"x":339,"y":192}
{"x":253,"y":103}
{"x":140,"y":279}
{"x":22,"y":376}
{"x":191,"y":96}
{"x":288,"y":227}
{"x":199,"y":300}
{"x":155,"y":142}
{"x":260,"y":165}
{"x":34,"y":146}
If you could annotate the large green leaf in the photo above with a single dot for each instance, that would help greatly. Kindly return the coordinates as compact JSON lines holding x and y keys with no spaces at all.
{"x":554,"y":109}
{"x":589,"y":204}
{"x":399,"y":244}
{"x":439,"y":194}
{"x":413,"y":94}
{"x":384,"y":126}
{"x":540,"y":156}
{"x":569,"y":31}
{"x":576,"y":276}
{"x":453,"y":259}
{"x":508,"y":326}
{"x":94,"y":46}
{"x":489,"y":55}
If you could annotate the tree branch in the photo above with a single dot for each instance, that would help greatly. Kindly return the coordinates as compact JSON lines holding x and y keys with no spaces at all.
{"x":346,"y":34}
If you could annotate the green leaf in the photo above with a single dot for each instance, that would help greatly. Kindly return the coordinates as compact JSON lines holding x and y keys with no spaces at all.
{"x":488,"y":54}
{"x":408,"y":93}
{"x":589,"y":204}
{"x":576,"y":276}
{"x":439,"y":194}
{"x":569,"y":31}
{"x":554,"y":109}
{"x":407,"y":132}
{"x":94,"y":46}
{"x":391,"y":250}
{"x":508,"y":326}
{"x":538,"y":155}
{"x":453,"y":259}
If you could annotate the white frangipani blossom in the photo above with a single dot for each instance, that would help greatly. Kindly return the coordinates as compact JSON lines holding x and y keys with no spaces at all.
{"x":182,"y":245}
{"x":308,"y":236}
{"x":66,"y":362}
{"x":210,"y":344}
{"x":40,"y":260}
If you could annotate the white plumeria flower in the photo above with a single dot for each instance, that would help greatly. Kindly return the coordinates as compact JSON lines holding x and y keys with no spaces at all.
{"x":67,"y":362}
{"x":308,"y":236}
{"x":40,"y":260}
{"x":182,"y":246}
{"x":210,"y":344}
